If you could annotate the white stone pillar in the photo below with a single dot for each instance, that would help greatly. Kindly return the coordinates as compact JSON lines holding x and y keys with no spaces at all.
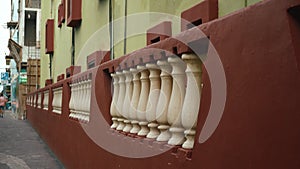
{"x":135,"y":101}
{"x":176,"y":100}
{"x":57,"y":100}
{"x":163,"y":101}
{"x":113,"y":109}
{"x":154,"y":91}
{"x":191,"y":102}
{"x":46,"y":100}
{"x":88,"y":108}
{"x":84,"y":96}
{"x":121,"y":97}
{"x":39,"y":103}
{"x":127,"y":100}
{"x":79,"y":99}
{"x":34,"y":100}
{"x":141,"y":111}
{"x":71,"y":102}
{"x":76,"y":87}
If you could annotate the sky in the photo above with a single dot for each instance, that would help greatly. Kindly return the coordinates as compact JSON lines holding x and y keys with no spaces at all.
{"x":4,"y":33}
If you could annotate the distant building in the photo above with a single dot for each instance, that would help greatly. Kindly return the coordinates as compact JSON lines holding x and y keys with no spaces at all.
{"x":24,"y":43}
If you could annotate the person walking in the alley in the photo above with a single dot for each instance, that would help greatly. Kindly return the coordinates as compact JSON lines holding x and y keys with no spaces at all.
{"x":3,"y":100}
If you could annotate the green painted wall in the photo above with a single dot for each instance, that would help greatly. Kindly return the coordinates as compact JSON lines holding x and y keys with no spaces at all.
{"x":93,"y":34}
{"x":251,"y":2}
{"x":45,"y":6}
{"x":91,"y":22}
{"x":86,"y":41}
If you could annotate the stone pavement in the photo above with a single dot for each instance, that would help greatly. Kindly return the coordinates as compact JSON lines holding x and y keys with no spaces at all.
{"x":22,"y":148}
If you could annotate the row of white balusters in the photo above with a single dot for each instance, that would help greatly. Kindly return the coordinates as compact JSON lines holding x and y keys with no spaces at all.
{"x":57,"y":100}
{"x":80,"y":100}
{"x":46,"y":100}
{"x":159,"y":100}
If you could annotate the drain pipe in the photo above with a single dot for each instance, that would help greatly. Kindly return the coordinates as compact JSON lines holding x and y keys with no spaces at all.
{"x":111,"y":30}
{"x":50,"y":64}
{"x":73,"y":48}
{"x":125,"y":27}
{"x":51,"y":55}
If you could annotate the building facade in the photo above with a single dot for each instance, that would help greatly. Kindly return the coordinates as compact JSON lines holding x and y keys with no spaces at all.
{"x":24,"y":44}
{"x":72,"y":45}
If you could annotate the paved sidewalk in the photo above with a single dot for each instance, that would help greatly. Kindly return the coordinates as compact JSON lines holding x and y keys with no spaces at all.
{"x":22,"y":148}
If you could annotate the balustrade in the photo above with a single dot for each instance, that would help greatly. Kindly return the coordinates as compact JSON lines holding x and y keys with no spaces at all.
{"x":33,"y":100}
{"x":39,"y":101}
{"x":28,"y":100}
{"x":57,"y":100}
{"x":79,"y":104}
{"x":46,"y":100}
{"x":159,"y":100}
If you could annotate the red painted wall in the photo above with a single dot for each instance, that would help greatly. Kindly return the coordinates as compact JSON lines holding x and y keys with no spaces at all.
{"x":260,"y":125}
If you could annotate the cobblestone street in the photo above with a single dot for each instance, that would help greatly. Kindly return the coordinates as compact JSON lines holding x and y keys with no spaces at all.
{"x":22,"y":148}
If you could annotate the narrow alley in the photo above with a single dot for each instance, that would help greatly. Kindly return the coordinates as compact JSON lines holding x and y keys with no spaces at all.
{"x":22,"y":148}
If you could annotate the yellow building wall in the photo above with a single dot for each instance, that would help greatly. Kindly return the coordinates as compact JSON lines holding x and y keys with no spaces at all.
{"x":172,"y":10}
{"x":45,"y":13}
{"x":62,"y":43}
{"x":91,"y":22}
{"x":93,"y":33}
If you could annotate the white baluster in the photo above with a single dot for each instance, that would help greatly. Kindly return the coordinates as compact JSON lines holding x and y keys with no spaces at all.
{"x":82,"y":96}
{"x":80,"y":99}
{"x":154,"y":91}
{"x":57,"y":99}
{"x":163,"y":101}
{"x":191,"y":102}
{"x":34,"y":100}
{"x":46,"y":99}
{"x":121,"y":97}
{"x":54,"y":100}
{"x":135,"y":101}
{"x":39,"y":100}
{"x":127,"y":99}
{"x":141,"y":115}
{"x":60,"y":100}
{"x":113,"y":109}
{"x":176,"y":100}
{"x":37,"y":103}
{"x":77,"y":99}
{"x":89,"y":90}
{"x":84,"y":101}
{"x":85,"y":113}
{"x":71,"y":102}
